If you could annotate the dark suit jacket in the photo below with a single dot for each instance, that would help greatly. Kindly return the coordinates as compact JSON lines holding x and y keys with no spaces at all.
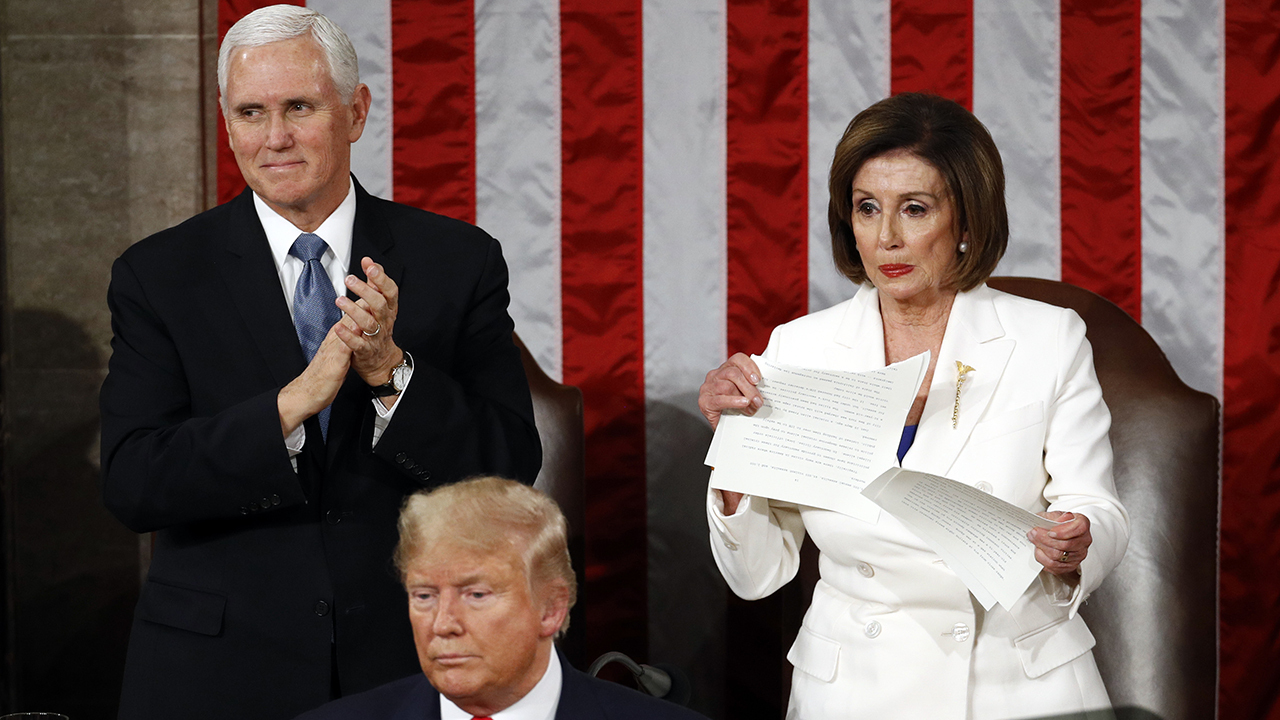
{"x":259,"y":573}
{"x":582,"y":697}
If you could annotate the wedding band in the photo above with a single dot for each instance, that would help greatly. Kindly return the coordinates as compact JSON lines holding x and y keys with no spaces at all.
{"x":1064,"y":556}
{"x":375,"y":331}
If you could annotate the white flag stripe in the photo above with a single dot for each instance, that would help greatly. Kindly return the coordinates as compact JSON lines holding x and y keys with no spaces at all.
{"x":1016,"y":51}
{"x":685,"y":238}
{"x":684,"y":196}
{"x":368,"y":24}
{"x":1182,"y":186}
{"x":518,"y":161}
{"x":848,"y":70}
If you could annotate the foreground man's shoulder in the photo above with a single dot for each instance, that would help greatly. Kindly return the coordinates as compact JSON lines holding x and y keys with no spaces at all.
{"x":382,"y":702}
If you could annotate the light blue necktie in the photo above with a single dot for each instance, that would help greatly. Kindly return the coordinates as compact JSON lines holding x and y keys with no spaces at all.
{"x":313,"y":309}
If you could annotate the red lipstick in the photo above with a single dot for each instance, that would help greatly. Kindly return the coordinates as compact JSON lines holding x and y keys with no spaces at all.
{"x":894,"y":270}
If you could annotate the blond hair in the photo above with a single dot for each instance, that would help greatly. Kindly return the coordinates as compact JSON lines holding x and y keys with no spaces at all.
{"x":491,"y":516}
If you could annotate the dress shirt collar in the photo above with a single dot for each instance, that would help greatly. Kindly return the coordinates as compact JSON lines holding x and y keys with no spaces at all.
{"x":539,"y":704}
{"x":336,"y":229}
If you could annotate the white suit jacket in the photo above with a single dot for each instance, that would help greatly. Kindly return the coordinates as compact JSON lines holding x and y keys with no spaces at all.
{"x":892,"y":631}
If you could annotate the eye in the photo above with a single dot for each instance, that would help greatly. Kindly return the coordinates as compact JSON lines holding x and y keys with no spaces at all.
{"x":915,"y":209}
{"x":866,"y":208}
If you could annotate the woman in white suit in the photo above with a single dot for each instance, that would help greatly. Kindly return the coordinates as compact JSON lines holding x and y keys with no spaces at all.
{"x":918,"y":223}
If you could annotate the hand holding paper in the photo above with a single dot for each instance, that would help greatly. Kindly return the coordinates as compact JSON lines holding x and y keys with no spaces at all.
{"x":820,"y":435}
{"x":982,"y":538}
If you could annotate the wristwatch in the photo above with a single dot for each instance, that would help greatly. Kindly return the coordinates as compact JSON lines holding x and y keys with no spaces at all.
{"x":399,"y":378}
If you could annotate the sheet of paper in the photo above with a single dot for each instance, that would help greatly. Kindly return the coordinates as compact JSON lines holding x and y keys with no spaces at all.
{"x":820,"y":436}
{"x":980,"y":592}
{"x":980,"y":537}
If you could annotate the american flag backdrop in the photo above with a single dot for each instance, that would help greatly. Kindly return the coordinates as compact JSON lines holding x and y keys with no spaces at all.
{"x":656,"y":172}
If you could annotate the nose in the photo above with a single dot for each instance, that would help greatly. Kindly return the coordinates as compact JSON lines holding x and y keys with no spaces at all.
{"x":279,"y":134}
{"x":889,"y":235}
{"x":447,"y":621}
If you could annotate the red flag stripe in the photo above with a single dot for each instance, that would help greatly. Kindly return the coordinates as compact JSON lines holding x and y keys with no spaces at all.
{"x":767,"y":131}
{"x":230,"y":181}
{"x":1250,"y":549}
{"x":434,"y":105}
{"x":931,"y":48}
{"x":602,"y":303}
{"x":1101,"y":97}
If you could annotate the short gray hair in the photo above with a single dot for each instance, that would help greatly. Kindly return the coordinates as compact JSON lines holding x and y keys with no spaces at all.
{"x":276,"y":23}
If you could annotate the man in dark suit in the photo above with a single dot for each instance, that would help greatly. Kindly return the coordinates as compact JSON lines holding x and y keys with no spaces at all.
{"x":486,"y":566}
{"x":285,"y":369}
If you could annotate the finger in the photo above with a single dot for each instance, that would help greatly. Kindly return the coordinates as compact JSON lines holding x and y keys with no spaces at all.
{"x":361,"y":316}
{"x":720,"y":403}
{"x":1040,"y":538}
{"x":1054,"y":563}
{"x":748,"y":366}
{"x":378,"y":278}
{"x":351,"y":338}
{"x":1076,"y":526}
{"x":731,"y":377}
{"x":1075,"y":550}
{"x":373,"y":296}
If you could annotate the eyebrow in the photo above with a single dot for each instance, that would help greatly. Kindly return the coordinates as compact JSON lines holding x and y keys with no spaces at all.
{"x":908,"y":194}
{"x":255,"y":105}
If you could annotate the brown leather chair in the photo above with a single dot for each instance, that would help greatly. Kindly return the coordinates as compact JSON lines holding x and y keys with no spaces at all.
{"x":557,"y":410}
{"x":1155,"y":617}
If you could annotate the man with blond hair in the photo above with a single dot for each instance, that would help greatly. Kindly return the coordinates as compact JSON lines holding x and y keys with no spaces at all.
{"x":285,"y":369}
{"x":486,"y":566}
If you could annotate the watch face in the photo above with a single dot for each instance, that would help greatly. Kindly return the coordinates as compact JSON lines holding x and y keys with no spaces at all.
{"x":399,"y":377}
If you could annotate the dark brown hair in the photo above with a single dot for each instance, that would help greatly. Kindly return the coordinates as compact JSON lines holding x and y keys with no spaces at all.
{"x":957,"y":145}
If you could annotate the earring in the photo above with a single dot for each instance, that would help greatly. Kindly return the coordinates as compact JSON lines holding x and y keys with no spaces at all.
{"x":963,"y":247}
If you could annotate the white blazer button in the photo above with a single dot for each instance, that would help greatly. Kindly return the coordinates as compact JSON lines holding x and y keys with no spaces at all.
{"x":872,"y":629}
{"x":984,"y":486}
{"x":960,"y":632}
{"x":866,"y":570}
{"x":731,"y":545}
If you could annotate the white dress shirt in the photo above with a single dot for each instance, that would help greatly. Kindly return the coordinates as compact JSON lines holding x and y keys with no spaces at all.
{"x":540,"y":703}
{"x":336,"y":231}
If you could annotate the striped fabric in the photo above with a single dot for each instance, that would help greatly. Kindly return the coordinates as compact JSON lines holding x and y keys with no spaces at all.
{"x":656,"y":171}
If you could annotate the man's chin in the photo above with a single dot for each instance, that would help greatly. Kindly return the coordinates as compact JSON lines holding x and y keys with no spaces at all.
{"x":456,"y":683}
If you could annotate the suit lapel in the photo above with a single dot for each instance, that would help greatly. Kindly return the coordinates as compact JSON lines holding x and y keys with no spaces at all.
{"x":372,"y":238}
{"x":858,"y":344}
{"x":974,"y":337}
{"x":253,"y":286}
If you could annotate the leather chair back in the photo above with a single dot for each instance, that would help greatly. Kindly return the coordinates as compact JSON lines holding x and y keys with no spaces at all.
{"x":1155,"y":617}
{"x":557,"y":410}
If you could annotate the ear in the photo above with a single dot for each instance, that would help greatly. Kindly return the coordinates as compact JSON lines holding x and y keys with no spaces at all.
{"x":361,"y":99}
{"x":555,"y":606}
{"x":226,"y":121}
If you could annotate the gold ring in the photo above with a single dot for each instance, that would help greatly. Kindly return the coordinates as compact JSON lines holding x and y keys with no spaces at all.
{"x":1064,"y":556}
{"x":375,"y":331}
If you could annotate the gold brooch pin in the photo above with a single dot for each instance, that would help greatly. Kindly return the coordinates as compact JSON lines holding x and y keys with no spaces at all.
{"x":962,"y":371}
